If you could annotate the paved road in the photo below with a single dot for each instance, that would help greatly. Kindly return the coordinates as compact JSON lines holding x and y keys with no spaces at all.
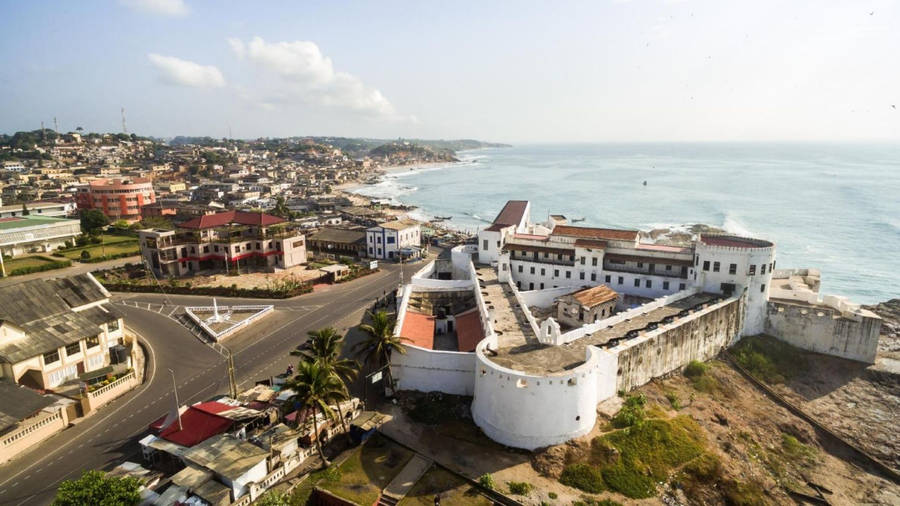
{"x":109,"y":436}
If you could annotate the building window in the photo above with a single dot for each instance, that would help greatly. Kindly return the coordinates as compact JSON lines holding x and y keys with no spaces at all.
{"x":92,"y":341}
{"x":580,"y":275}
{"x":531,"y":286}
{"x":637,"y":282}
{"x":51,"y":357}
{"x":485,"y":244}
{"x":680,"y":286}
{"x":543,"y":271}
{"x":621,"y":280}
{"x":72,"y":349}
{"x":762,"y":288}
{"x":668,"y":267}
{"x":771,"y":267}
{"x":608,"y":278}
{"x":113,"y":325}
{"x":665,"y":285}
{"x":498,"y":245}
{"x":370,"y":250}
{"x":568,"y":274}
{"x":532,"y":270}
{"x":583,"y":259}
{"x":715,"y":266}
{"x":732,"y":269}
{"x":752,"y":270}
{"x":706,"y":265}
{"x":542,"y":286}
{"x":762,"y":269}
{"x":520,"y":269}
{"x":640,"y":265}
{"x":696,"y":259}
{"x":390,"y":240}
{"x":594,"y":261}
{"x":593,"y":276}
{"x":648,"y":283}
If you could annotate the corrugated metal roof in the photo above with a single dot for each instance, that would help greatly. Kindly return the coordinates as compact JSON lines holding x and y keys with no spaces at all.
{"x":43,"y":309}
{"x":18,"y":403}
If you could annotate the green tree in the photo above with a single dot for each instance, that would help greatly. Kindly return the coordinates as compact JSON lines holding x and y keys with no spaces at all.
{"x":85,"y":254}
{"x":324,"y":347}
{"x":25,"y":211}
{"x":92,"y":220}
{"x":281,"y":210}
{"x":160,"y":222}
{"x":317,"y":388}
{"x":380,"y":342}
{"x":96,"y":488}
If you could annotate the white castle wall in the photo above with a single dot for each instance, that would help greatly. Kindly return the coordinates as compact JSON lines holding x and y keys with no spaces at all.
{"x":531,"y":411}
{"x":756,"y":286}
{"x":825,"y":329}
{"x":452,"y":372}
{"x":700,"y":335}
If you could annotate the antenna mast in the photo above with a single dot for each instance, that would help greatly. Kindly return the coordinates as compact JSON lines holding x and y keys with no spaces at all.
{"x":124,"y":128}
{"x":55,"y":126}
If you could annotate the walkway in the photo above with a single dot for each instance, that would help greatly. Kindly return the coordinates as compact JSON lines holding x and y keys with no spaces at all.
{"x":406,"y":478}
{"x":509,"y":321}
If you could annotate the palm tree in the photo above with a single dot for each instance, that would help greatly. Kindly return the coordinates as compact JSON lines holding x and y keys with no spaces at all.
{"x":380,"y":342}
{"x":324,"y":347}
{"x":316,"y":388}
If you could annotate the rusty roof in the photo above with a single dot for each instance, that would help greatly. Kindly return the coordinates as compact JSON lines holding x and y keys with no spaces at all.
{"x":418,"y":329}
{"x":512,"y":213}
{"x":596,"y":233}
{"x":595,"y":296}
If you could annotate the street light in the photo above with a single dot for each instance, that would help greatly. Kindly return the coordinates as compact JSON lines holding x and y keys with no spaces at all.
{"x":177,"y":406}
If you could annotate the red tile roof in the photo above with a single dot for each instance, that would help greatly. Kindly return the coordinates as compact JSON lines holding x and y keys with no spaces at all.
{"x":418,"y":329}
{"x":596,"y":233}
{"x":197,"y":426}
{"x":512,"y":213}
{"x":468,"y":330}
{"x":212,"y":407}
{"x":232,"y":217}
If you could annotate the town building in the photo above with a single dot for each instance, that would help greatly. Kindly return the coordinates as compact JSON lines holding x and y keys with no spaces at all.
{"x":544,"y":358}
{"x":228,"y":241}
{"x":39,"y":208}
{"x":119,"y":199}
{"x":338,"y":241}
{"x":34,"y":234}
{"x":394,"y":240}
{"x":57,"y":336}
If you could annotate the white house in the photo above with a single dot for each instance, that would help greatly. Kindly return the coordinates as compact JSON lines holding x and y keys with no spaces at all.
{"x":393,"y":240}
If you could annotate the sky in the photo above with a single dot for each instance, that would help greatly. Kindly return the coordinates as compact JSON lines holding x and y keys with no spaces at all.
{"x":505,"y":71}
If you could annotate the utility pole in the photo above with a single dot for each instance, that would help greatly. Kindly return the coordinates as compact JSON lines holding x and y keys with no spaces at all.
{"x":232,"y":383}
{"x":55,"y":126}
{"x":124,"y":127}
{"x":177,"y":406}
{"x":42,"y":131}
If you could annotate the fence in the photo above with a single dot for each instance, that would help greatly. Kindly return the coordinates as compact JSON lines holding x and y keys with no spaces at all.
{"x":260,"y":312}
{"x":96,"y":398}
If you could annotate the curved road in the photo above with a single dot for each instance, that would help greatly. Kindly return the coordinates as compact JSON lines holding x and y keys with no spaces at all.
{"x":110,"y":435}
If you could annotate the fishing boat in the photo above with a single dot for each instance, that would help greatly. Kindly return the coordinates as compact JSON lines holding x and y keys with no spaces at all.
{"x":576,"y":220}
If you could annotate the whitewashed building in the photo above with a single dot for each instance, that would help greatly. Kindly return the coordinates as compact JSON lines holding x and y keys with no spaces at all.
{"x":393,"y":240}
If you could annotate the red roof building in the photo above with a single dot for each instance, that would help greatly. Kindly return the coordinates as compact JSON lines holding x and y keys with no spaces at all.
{"x":232,"y":218}
{"x":418,"y":330}
{"x":197,"y":425}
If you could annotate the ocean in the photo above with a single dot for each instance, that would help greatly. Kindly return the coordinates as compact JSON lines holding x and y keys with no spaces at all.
{"x":835,"y":207}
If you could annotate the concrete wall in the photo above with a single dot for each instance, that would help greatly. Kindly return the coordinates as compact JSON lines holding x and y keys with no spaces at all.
{"x":529,"y":411}
{"x":452,"y":372}
{"x":825,"y":330}
{"x":544,"y":298}
{"x":32,"y":431}
{"x":698,"y":336}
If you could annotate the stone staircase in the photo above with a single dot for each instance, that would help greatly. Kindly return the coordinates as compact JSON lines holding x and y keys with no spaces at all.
{"x":405,"y":479}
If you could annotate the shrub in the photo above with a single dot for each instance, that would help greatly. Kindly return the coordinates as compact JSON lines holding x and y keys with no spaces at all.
{"x":552,"y":495}
{"x":583,"y":477}
{"x":49,"y":266}
{"x":796,"y":450}
{"x":695,"y":369}
{"x":673,"y":400}
{"x":520,"y":487}
{"x":85,"y":255}
{"x":487,"y":481}
{"x":632,"y":412}
{"x":743,"y":494}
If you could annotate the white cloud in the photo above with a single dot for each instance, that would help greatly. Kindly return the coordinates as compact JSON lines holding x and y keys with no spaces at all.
{"x":186,"y":73}
{"x":308,"y":76}
{"x":164,"y":7}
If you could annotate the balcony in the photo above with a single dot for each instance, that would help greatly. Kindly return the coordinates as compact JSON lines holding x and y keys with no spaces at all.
{"x":674,"y":273}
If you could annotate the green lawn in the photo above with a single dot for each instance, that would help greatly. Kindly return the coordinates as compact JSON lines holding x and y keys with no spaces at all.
{"x":23,"y":262}
{"x":112,"y":245}
{"x":452,"y":490}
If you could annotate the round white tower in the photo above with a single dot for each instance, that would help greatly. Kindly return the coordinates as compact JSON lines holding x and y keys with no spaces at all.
{"x":731,"y":264}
